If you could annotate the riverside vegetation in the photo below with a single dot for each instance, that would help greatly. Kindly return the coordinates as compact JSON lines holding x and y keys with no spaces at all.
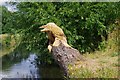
{"x":92,"y":28}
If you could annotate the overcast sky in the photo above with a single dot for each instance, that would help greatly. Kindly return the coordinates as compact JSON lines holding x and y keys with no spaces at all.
{"x":2,"y":2}
{"x":9,"y":7}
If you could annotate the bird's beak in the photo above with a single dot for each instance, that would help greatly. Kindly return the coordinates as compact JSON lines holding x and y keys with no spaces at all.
{"x":45,"y":28}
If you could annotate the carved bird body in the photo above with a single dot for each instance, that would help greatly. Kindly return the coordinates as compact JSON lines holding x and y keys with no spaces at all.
{"x":55,"y":34}
{"x":63,"y":54}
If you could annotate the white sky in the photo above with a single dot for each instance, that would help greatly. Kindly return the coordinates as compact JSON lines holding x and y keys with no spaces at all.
{"x":9,"y":7}
{"x":2,"y":2}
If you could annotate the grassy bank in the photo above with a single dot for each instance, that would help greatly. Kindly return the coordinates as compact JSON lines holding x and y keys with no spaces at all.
{"x":100,"y":64}
{"x":8,"y":43}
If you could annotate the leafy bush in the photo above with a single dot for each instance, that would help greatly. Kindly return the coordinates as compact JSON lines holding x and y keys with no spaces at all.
{"x":85,"y":24}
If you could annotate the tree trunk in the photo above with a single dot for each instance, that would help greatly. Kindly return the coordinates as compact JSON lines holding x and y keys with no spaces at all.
{"x":66,"y":56}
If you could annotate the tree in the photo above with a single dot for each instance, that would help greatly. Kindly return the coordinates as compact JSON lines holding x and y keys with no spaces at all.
{"x":85,"y":24}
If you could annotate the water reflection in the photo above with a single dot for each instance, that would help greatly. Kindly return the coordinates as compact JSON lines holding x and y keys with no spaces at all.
{"x":23,"y":63}
{"x":27,"y":68}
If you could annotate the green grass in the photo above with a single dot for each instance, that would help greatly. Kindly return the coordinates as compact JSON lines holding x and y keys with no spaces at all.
{"x":115,"y":54}
{"x":99,"y":64}
{"x":8,"y":43}
{"x":103,"y":72}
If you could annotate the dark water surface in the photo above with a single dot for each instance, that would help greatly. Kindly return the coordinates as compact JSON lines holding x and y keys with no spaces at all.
{"x":27,"y":65}
{"x":24,"y":69}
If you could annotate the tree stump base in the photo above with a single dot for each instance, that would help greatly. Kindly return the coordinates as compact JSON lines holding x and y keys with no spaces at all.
{"x":65,"y":56}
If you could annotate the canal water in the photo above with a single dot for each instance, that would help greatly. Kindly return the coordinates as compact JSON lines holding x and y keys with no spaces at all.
{"x":22,"y":64}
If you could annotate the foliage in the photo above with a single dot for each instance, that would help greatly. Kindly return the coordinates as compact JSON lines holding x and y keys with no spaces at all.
{"x":104,"y":72}
{"x":85,"y":24}
{"x":8,"y":43}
